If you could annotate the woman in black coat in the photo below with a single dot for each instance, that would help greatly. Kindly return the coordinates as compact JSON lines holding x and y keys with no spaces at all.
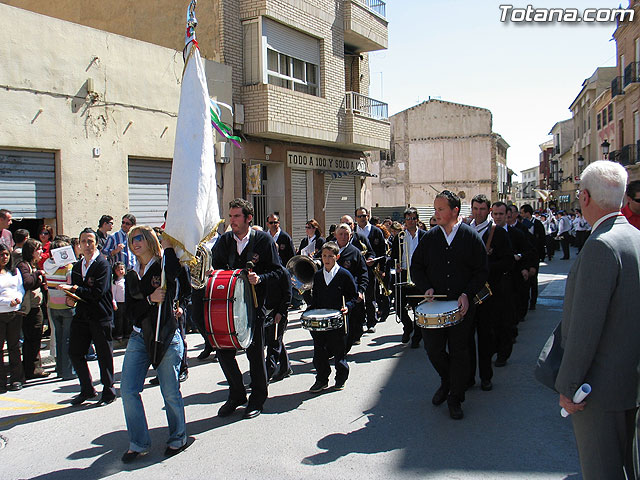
{"x":144,"y":294}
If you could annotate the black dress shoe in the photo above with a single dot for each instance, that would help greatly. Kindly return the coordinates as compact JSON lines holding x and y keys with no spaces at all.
{"x":129,"y":457}
{"x":170,"y":452}
{"x":251,"y":412}
{"x":204,"y":354}
{"x":106,"y":400}
{"x":78,"y":399}
{"x":183,"y":377}
{"x":406,"y":337}
{"x":229,"y":407}
{"x":440,"y":396}
{"x":154,"y":381}
{"x":486,"y":385}
{"x":281,"y":375}
{"x":455,"y":411}
{"x":415,"y":344}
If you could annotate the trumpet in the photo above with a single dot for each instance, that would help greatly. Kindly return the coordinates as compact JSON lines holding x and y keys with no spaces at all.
{"x":378,"y":274}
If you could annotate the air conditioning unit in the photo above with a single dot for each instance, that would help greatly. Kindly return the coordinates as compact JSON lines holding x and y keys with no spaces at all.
{"x":223,"y":152}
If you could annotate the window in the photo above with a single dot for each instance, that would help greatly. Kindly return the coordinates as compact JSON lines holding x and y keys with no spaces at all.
{"x":293,"y":58}
{"x":598,"y":124}
{"x":610,"y":112}
{"x":288,"y":72}
{"x":604,"y":117}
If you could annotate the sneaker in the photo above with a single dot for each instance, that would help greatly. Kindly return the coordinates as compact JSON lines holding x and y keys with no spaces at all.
{"x":319,"y":386}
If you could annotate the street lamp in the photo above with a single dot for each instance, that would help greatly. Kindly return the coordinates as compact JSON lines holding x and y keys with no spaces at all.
{"x":580,"y":163}
{"x":605,"y":149}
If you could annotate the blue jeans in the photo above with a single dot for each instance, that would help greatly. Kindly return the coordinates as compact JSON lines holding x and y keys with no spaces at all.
{"x":62,"y":327}
{"x":134,"y":370}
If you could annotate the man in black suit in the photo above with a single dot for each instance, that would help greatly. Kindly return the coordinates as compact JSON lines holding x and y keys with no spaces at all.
{"x":491,"y":320}
{"x":402,"y":247}
{"x":528,"y":260}
{"x":93,"y":320}
{"x":535,"y":228}
{"x":232,"y":251}
{"x":284,"y":243}
{"x":450,"y":260}
{"x":378,"y":248}
{"x":350,"y":258}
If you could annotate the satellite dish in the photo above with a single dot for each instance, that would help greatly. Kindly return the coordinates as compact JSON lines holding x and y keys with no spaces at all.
{"x":461,"y":194}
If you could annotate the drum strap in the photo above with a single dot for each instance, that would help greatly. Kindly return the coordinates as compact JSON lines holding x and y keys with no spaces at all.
{"x":491,"y":232}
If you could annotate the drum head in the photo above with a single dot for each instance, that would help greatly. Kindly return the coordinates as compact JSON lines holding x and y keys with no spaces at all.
{"x":434,"y":308}
{"x":243,"y":311}
{"x":322,"y":313}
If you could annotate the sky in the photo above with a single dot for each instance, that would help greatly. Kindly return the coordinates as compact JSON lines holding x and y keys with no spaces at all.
{"x":527,"y":74}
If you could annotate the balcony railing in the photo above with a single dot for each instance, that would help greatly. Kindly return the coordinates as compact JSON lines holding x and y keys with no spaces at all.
{"x":627,"y":155}
{"x":616,"y":86}
{"x":368,"y":107}
{"x":631,"y":73}
{"x":377,"y":6}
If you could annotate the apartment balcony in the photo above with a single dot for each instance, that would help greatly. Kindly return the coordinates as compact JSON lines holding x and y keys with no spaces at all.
{"x":616,"y":87}
{"x":627,"y":155}
{"x":367,"y":124}
{"x":631,"y":75}
{"x":365,"y":25}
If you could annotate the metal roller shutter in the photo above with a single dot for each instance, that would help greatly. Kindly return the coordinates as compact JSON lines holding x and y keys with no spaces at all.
{"x":149,"y":190}
{"x":298,"y":205}
{"x":291,"y":42}
{"x":341,"y":199}
{"x":27,"y":184}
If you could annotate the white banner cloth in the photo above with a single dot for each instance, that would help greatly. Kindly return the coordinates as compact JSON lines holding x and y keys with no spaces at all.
{"x":193,"y":203}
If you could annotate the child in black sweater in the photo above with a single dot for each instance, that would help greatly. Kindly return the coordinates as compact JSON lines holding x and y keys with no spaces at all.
{"x":333,"y":288}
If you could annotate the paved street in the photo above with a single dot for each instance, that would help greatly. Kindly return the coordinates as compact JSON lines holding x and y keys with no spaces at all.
{"x":382,"y":425}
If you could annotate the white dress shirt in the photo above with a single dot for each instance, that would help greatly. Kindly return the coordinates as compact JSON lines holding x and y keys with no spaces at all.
{"x":240,"y":244}
{"x":449,"y":238}
{"x":85,"y":265}
{"x":330,"y":275}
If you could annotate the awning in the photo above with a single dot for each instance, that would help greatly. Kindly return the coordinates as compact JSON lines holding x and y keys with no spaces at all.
{"x":355,"y":173}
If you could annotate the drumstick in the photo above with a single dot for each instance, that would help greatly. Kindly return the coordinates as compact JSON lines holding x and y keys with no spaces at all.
{"x":344,"y":316}
{"x":249,"y":268}
{"x":426,"y":296}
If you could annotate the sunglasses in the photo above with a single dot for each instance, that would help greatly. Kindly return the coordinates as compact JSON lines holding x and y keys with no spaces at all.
{"x":637,"y":200}
{"x":273,"y":223}
{"x":137,"y":238}
{"x":413,"y":219}
{"x":309,"y":227}
{"x":44,"y":233}
{"x":110,"y":223}
{"x":362,"y":216}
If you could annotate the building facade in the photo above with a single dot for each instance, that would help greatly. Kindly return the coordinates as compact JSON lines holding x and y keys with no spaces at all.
{"x":87,"y":130}
{"x":527,"y":187}
{"x":440,"y":145}
{"x":300,"y":78}
{"x":625,"y":92}
{"x":562,"y":165}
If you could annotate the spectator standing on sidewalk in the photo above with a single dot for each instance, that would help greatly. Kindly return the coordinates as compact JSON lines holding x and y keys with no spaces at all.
{"x":32,"y":314}
{"x":116,"y":248}
{"x":105,"y":225}
{"x":11,"y":294}
{"x":19,"y":236}
{"x":600,"y":333}
{"x":632,"y":209}
{"x":5,"y":222}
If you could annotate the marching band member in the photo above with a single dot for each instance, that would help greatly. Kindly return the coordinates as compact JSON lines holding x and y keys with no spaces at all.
{"x":490,"y":316}
{"x":333,"y":288}
{"x":282,"y":239}
{"x":350,"y":258}
{"x":451,"y":260}
{"x":402,"y":247}
{"x":234,"y":250}
{"x":312,"y":243}
{"x":277,"y":301}
{"x":378,"y":248}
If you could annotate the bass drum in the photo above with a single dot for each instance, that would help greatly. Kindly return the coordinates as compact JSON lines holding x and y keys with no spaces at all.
{"x":228,"y":310}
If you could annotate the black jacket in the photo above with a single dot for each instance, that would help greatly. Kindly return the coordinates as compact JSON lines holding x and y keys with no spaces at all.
{"x":331,"y":296}
{"x":94,"y":291}
{"x":285,"y":247}
{"x":500,"y":256}
{"x":319,"y":241}
{"x":352,"y":260}
{"x":451,"y":270}
{"x":144,"y":315}
{"x":261,"y":250}
{"x":279,"y":292}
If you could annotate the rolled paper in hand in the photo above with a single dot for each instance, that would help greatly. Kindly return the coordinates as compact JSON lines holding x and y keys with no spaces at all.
{"x":578,"y":397}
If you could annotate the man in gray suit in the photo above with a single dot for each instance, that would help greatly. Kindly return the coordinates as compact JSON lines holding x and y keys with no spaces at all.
{"x":601,"y":331}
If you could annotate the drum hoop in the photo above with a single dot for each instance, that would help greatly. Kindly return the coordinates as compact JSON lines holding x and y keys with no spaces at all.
{"x":212,"y":282}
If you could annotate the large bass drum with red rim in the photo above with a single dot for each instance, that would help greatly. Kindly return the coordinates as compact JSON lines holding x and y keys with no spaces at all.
{"x":229,"y":310}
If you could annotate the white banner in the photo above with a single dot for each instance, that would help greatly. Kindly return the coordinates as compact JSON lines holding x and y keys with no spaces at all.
{"x":193,"y":203}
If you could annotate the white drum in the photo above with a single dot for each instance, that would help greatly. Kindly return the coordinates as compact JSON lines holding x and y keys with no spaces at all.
{"x":322,"y":319}
{"x":438,"y":314}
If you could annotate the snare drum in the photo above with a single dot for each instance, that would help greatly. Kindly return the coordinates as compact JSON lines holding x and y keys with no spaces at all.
{"x":438,"y":314}
{"x":228,"y":310}
{"x":322,"y":319}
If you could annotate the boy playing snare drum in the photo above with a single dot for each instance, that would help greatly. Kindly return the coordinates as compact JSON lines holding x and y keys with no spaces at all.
{"x":333,"y":288}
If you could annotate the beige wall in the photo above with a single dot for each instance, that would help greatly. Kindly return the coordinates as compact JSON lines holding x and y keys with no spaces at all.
{"x":133,"y":113}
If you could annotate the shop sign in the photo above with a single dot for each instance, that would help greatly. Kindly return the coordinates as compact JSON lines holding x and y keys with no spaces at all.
{"x":315,"y":161}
